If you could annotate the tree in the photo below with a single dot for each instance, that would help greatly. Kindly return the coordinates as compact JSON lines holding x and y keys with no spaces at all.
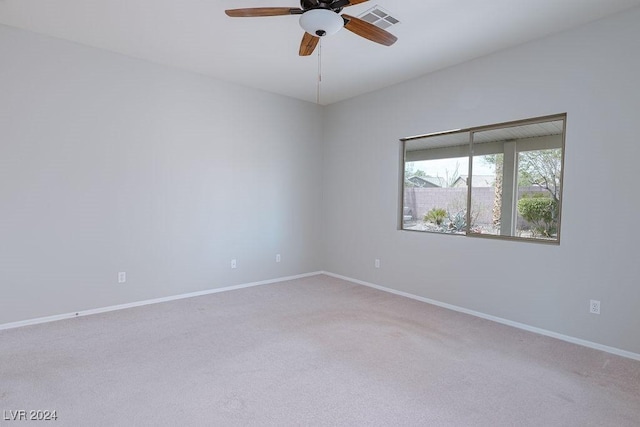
{"x":496,"y":212}
{"x":497,"y":161}
{"x":450,"y":178}
{"x":541,"y":168}
{"x":409,"y":171}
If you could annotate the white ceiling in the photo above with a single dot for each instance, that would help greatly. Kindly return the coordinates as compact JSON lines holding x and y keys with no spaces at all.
{"x":262,"y":52}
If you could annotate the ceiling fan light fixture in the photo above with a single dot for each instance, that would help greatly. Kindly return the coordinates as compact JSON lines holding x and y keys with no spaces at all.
{"x":321,"y":22}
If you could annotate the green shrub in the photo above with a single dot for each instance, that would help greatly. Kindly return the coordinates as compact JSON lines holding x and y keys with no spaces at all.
{"x":541,"y":211}
{"x":436,"y":215}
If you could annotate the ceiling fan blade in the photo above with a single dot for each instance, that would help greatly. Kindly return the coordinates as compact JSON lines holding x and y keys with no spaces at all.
{"x":308,"y":44}
{"x":354,"y":2}
{"x":262,"y":11}
{"x":368,"y":31}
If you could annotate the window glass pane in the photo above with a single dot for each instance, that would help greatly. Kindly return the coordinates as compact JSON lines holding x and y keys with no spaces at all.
{"x":435,"y":184}
{"x":517,"y":180}
{"x":539,"y":173}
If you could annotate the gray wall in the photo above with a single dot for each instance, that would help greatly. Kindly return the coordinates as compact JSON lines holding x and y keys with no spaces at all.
{"x":112,"y":164}
{"x":591,"y":73}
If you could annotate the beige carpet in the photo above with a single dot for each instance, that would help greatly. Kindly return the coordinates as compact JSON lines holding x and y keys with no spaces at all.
{"x":314,"y":351}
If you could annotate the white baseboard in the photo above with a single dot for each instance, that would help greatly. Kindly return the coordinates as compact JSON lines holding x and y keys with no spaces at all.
{"x":573,"y":340}
{"x":567,"y":338}
{"x":149,"y":301}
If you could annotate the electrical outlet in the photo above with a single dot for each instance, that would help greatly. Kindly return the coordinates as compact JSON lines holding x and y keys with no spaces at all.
{"x":233,"y":263}
{"x":122,"y":277}
{"x":377,"y":263}
{"x":278,"y":259}
{"x":594,"y":306}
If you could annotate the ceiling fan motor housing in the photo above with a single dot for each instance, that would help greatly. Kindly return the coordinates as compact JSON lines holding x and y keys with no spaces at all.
{"x":321,"y":22}
{"x":335,"y":5}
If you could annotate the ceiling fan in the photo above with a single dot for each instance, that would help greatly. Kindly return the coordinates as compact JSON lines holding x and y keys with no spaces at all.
{"x":321,"y":18}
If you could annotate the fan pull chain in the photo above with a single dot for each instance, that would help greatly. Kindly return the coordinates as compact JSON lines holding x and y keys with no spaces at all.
{"x":319,"y":70}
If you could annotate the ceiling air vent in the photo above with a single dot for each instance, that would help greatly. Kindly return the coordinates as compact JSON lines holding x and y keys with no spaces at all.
{"x":379,"y":17}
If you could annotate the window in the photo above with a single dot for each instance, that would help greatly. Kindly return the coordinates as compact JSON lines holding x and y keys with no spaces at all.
{"x":496,"y":181}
